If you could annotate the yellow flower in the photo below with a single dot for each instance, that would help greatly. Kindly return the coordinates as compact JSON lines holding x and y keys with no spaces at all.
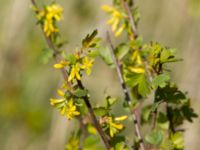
{"x":49,"y":15}
{"x":136,"y":57}
{"x":115,"y":20}
{"x":137,"y":69}
{"x":120,"y":30}
{"x":65,"y":107}
{"x":71,"y":110}
{"x":49,"y":27}
{"x":107,"y":8}
{"x":75,"y":72}
{"x":55,"y":102}
{"x":61,"y":65}
{"x":121,"y":118}
{"x":87,"y":64}
{"x":60,"y":92}
{"x":114,"y":126}
{"x":54,"y":12}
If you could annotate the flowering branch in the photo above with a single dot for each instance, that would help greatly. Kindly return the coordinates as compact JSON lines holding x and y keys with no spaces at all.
{"x":141,"y":71}
{"x":85,"y":98}
{"x":127,"y":94}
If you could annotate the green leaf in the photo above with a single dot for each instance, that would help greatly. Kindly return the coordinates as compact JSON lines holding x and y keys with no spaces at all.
{"x":168,"y":55}
{"x":71,"y":58}
{"x":154,"y":138}
{"x":110,"y":101}
{"x":81,"y":106}
{"x":170,"y":93}
{"x":101,"y":111}
{"x":146,"y":113}
{"x":133,"y":79}
{"x":144,"y":87}
{"x":117,"y":139}
{"x":162,"y":121}
{"x":120,"y":146}
{"x":87,"y":41}
{"x":140,"y":80}
{"x":92,"y":142}
{"x":122,"y":50}
{"x":93,"y":53}
{"x":46,"y":55}
{"x":161,"y":80}
{"x":80,"y":93}
{"x":106,"y":55}
{"x":188,"y":113}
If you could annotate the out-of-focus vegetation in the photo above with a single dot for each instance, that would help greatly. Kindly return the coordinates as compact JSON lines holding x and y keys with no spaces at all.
{"x":27,"y":120}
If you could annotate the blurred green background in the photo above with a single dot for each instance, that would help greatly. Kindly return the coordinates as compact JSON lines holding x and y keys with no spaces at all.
{"x":27,"y":121}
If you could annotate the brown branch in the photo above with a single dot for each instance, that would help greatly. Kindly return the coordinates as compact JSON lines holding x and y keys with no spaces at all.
{"x":94,"y":119}
{"x":127,"y":94}
{"x":130,"y":18}
{"x":86,"y":98}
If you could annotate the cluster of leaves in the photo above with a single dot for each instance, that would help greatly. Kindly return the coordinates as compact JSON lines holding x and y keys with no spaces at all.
{"x":144,"y":70}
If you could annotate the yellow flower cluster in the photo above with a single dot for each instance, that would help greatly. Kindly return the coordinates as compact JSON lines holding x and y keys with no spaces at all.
{"x":114,"y":125}
{"x":86,"y":64}
{"x":66,"y":107}
{"x":115,"y":20}
{"x":138,"y":68}
{"x":75,"y":72}
{"x":48,"y":17}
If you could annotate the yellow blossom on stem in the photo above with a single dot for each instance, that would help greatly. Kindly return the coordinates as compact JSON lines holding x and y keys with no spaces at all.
{"x":61,"y":65}
{"x":60,"y":92}
{"x":65,"y":107}
{"x":54,"y":11}
{"x":115,"y":19}
{"x":120,"y":30}
{"x":121,"y":118}
{"x":136,"y":57}
{"x":114,"y":126}
{"x":49,"y":27}
{"x":87,"y":64}
{"x":75,"y":72}
{"x":137,"y":69}
{"x":48,"y":18}
{"x":71,"y":110}
{"x":54,"y":101}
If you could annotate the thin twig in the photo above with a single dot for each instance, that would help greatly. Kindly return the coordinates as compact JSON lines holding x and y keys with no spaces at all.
{"x":127,"y":94}
{"x":86,"y":98}
{"x":130,"y":17}
{"x":94,"y":119}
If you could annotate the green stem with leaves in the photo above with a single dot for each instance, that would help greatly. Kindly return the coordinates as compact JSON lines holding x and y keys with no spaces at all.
{"x":127,"y":94}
